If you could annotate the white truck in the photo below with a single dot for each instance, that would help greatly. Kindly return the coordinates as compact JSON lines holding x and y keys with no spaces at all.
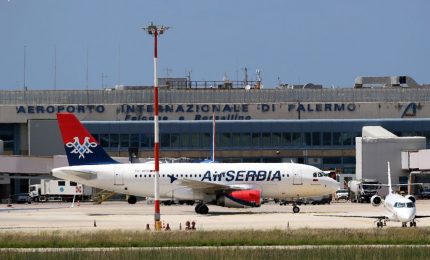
{"x":362,"y":190}
{"x":56,"y":190}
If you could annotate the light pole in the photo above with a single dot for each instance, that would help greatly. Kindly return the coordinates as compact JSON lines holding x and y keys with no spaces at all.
{"x":156,"y":30}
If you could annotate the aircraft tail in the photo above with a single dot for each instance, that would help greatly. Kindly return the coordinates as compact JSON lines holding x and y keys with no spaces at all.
{"x":390,"y":188}
{"x":81,"y":147}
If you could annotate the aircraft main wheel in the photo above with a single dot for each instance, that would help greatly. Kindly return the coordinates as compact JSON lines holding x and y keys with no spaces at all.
{"x":404,"y":224}
{"x":203,"y":209}
{"x":131,"y":200}
{"x":197,"y":207}
{"x":296,"y":209}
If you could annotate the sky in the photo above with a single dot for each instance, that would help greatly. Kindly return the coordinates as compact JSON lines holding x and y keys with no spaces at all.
{"x":327,"y":42}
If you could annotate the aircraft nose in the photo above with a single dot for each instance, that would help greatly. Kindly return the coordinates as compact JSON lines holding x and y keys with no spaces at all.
{"x":405,"y":215}
{"x":331,"y":185}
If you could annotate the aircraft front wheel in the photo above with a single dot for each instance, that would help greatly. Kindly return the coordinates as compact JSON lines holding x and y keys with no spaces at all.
{"x":296,"y":209}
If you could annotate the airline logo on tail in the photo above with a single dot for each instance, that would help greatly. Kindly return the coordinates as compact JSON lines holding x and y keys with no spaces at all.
{"x":82,"y":149}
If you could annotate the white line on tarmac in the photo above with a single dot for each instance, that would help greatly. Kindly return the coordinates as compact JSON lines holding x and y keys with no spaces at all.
{"x":285,"y":247}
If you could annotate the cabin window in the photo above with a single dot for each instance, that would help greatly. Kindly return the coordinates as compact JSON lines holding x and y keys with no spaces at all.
{"x":61,"y":183}
{"x":72,"y":183}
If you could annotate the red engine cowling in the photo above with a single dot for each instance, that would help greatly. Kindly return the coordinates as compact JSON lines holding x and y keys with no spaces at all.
{"x":376,"y":200}
{"x":240,"y":199}
{"x":411,"y":198}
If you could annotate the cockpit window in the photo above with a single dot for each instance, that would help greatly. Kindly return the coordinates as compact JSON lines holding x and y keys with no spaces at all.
{"x":399,"y":205}
{"x":320,"y":174}
{"x":410,"y":205}
{"x":315,"y":174}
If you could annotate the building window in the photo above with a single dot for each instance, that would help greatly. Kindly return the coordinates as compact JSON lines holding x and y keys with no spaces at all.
{"x":327,"y":139}
{"x":337,"y":139}
{"x":308,"y":140}
{"x":104,"y":140}
{"x":114,"y":140}
{"x":165,"y":140}
{"x":349,"y":160}
{"x":206,"y":139}
{"x":225,"y":140}
{"x":265,"y":140}
{"x":145,"y":140}
{"x":296,"y":139}
{"x":246,"y":140}
{"x":175,"y":140}
{"x":124,"y":140}
{"x":236,"y":139}
{"x":256,"y":139}
{"x":331,"y":160}
{"x":195,"y":140}
{"x":276,"y":139}
{"x":134,"y":140}
{"x":185,"y":140}
{"x":316,"y":139}
{"x":286,"y":139}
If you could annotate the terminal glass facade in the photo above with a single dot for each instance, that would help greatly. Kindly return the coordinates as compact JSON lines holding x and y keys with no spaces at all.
{"x":304,"y":141}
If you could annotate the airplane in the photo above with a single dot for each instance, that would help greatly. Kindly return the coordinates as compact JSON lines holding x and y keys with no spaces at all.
{"x":398,"y":208}
{"x":235,"y":185}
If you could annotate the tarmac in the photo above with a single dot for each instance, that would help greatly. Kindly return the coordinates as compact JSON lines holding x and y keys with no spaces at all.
{"x":120,"y":215}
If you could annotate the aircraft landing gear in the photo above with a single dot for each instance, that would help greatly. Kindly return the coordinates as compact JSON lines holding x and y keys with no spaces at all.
{"x":379,"y":224}
{"x":413,"y":224}
{"x":132,"y":199}
{"x":296,"y":209}
{"x":404,"y":224}
{"x":201,"y":209}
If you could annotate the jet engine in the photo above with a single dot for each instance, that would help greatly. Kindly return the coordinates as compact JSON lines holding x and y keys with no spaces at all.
{"x":411,"y":198}
{"x":376,"y":200}
{"x":240,"y":199}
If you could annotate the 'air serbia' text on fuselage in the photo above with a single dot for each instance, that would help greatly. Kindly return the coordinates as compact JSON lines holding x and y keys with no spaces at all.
{"x":242,"y":176}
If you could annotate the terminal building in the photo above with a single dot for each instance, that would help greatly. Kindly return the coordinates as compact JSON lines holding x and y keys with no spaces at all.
{"x":304,"y":124}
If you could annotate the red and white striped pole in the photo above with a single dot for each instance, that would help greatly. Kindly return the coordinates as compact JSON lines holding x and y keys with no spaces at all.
{"x":213,"y":137}
{"x":155,"y":31}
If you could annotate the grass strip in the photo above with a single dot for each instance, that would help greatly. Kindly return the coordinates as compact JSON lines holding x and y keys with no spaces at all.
{"x":118,"y":238}
{"x":166,"y":253}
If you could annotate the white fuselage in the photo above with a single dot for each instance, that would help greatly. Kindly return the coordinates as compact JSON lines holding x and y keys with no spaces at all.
{"x":399,"y":208}
{"x":274,"y":180}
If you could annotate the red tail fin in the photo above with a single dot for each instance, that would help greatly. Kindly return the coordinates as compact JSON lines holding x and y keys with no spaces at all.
{"x":81,"y":147}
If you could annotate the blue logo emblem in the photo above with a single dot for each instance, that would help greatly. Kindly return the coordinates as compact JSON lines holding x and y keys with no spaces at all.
{"x":172,"y":178}
{"x":410,"y":110}
{"x":83,"y":148}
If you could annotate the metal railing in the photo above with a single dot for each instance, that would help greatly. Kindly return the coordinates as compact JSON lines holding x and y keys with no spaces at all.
{"x":40,"y":97}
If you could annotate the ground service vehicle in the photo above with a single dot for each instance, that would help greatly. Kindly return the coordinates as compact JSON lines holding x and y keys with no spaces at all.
{"x":55,"y":190}
{"x":342,"y":194}
{"x":362,"y":190}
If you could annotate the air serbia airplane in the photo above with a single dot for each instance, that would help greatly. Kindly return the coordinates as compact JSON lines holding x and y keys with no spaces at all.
{"x":236,"y":185}
{"x":397,"y":208}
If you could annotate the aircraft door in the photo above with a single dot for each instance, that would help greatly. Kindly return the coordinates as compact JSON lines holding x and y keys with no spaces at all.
{"x":118,"y":178}
{"x":297,"y":177}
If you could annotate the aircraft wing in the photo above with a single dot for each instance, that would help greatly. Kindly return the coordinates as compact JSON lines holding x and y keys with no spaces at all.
{"x":350,"y":216}
{"x":207,"y":187}
{"x":422,"y":216}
